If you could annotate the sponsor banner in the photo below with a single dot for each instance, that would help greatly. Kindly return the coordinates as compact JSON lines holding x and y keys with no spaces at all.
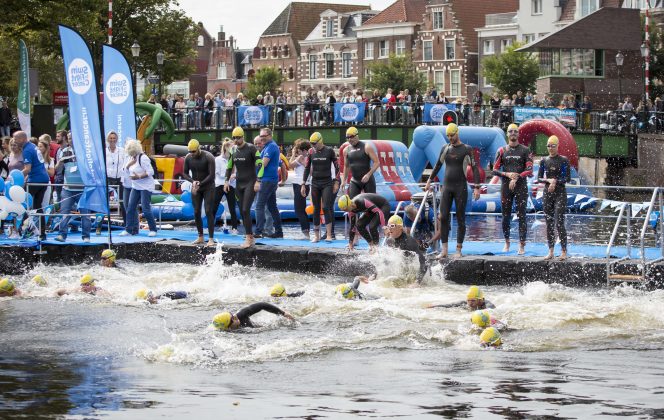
{"x":564,"y":116}
{"x":23,"y":106}
{"x":60,"y":98}
{"x":433,"y":113}
{"x":349,"y":112}
{"x":254,"y":115}
{"x":84,"y":119}
{"x":119,"y":113}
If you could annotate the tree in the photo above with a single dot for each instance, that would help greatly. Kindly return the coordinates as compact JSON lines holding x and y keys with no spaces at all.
{"x":397,"y":73}
{"x":264,"y":80}
{"x":512,"y":71}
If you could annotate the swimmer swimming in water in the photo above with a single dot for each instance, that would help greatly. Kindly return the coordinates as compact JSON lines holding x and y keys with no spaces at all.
{"x":490,"y":337}
{"x":278,"y":290}
{"x":150,"y":297}
{"x":87,"y":285}
{"x":228,"y":321}
{"x":474,"y":301}
{"x":108,"y":257}
{"x":8,"y":288}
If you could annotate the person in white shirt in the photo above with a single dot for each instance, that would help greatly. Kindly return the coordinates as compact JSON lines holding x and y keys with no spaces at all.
{"x":220,"y":165}
{"x":140,"y":172}
{"x":115,"y":160}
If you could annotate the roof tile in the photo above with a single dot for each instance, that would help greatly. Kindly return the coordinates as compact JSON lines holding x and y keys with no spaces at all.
{"x":400,"y":11}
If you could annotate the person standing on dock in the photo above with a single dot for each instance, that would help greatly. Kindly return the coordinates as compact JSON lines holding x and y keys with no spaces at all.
{"x":361,"y":161}
{"x":267,"y":184}
{"x":245,"y":159}
{"x":199,"y":170}
{"x":514,"y":164}
{"x":457,"y":157}
{"x":554,"y":172}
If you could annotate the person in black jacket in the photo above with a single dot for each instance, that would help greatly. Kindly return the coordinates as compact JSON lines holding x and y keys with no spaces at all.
{"x":5,"y":120}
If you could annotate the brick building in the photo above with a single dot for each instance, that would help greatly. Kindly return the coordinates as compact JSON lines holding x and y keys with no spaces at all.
{"x":228,"y":66}
{"x":198,"y":79}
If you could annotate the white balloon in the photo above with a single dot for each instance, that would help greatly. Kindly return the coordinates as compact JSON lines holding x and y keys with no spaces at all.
{"x":185,"y":186}
{"x":3,"y":214}
{"x":17,"y":194}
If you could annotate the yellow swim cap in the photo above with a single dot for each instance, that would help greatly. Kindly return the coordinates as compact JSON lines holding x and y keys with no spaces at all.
{"x":351,"y":132}
{"x":222,"y":321}
{"x":237,"y":132}
{"x":346,"y":291}
{"x":39,"y":280}
{"x":315,"y":137}
{"x":481,"y":318}
{"x":474,"y":292}
{"x":108,"y":254}
{"x":344,"y":202}
{"x":143,"y":294}
{"x":491,"y":337}
{"x":552,"y":140}
{"x":451,"y":129}
{"x":87,"y":280}
{"x":512,"y":127}
{"x":7,"y":286}
{"x":193,"y":145}
{"x":278,"y":290}
{"x":395,"y":220}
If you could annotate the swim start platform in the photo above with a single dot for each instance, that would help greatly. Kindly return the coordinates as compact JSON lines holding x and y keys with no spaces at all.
{"x":483,"y":262}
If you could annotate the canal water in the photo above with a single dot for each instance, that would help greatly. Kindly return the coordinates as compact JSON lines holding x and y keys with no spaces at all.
{"x":568,"y":353}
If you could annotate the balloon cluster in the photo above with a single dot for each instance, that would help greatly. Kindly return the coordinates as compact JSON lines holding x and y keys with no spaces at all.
{"x":15,"y":200}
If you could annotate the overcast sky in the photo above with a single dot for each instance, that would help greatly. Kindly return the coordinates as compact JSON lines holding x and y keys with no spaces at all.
{"x":247,"y":19}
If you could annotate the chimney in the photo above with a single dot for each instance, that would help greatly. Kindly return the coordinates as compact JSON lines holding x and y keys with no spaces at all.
{"x":221,"y":35}
{"x":230,"y":42}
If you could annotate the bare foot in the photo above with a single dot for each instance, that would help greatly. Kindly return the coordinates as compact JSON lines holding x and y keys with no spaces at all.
{"x":549,"y":256}
{"x":506,"y":248}
{"x":458,"y":254}
{"x":248,"y":242}
{"x":316,"y":236}
{"x":522,"y":250}
{"x":198,"y":241}
{"x":563,"y":255}
{"x":443,"y":252}
{"x":211,"y":242}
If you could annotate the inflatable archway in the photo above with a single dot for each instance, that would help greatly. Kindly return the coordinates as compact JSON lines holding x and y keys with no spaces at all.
{"x":567,"y":144}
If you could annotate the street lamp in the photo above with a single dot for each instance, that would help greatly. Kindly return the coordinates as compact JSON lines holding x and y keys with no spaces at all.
{"x":135,"y":52}
{"x":644,"y":54}
{"x":160,"y":63}
{"x":620,"y":59}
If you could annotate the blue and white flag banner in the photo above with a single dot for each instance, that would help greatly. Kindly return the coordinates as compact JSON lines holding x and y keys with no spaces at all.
{"x":254,"y":115}
{"x":119,"y":112}
{"x":84,"y":119}
{"x":433,"y":113}
{"x":349,"y":112}
{"x":564,"y":116}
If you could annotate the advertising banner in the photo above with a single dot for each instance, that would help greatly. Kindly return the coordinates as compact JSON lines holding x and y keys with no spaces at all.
{"x":254,"y":115}
{"x":119,"y":113}
{"x":564,"y":116}
{"x":349,"y":112}
{"x":23,"y":105}
{"x":433,"y":113}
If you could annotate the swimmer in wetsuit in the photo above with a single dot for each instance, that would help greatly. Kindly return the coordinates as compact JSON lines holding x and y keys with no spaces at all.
{"x":87,"y":285}
{"x":456,"y":156}
{"x":150,"y":297}
{"x":399,"y":239}
{"x":278,"y":290}
{"x":490,"y":337}
{"x":227,"y":321}
{"x":200,"y":163}
{"x":366,"y":212}
{"x":514,"y":164}
{"x":108,"y":257}
{"x":245,"y":158}
{"x":474,"y":301}
{"x":554,"y":171}
{"x":350,"y":290}
{"x":483,"y":319}
{"x":8,"y":288}
{"x":362,"y":161}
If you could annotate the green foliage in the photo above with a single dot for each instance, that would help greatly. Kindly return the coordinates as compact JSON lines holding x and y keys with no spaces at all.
{"x":398,"y":73}
{"x":656,"y":60}
{"x":264,"y":80}
{"x":512,"y":71}
{"x":157,"y":25}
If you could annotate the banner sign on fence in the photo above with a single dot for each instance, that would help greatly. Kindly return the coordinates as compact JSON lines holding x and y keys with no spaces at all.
{"x":119,"y":113}
{"x":349,"y":112}
{"x":433,"y":113}
{"x":254,"y":115}
{"x":564,"y":116}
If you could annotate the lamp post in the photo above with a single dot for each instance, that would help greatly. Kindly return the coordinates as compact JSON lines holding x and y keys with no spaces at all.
{"x":160,"y":63}
{"x":644,"y":54}
{"x":620,"y":59}
{"x":135,"y":52}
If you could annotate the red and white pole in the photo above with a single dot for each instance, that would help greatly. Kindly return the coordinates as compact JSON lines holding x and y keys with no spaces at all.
{"x":110,"y":22}
{"x":647,"y":56}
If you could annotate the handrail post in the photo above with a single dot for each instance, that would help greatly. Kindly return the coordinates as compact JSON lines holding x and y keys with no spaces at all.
{"x":629,"y":229}
{"x":419,"y":212}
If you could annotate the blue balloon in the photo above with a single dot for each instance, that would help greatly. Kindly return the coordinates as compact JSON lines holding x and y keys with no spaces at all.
{"x":186,"y":197}
{"x":2,"y":184}
{"x":384,"y":100}
{"x":188,"y":211}
{"x":29,"y":200}
{"x":17,"y":177}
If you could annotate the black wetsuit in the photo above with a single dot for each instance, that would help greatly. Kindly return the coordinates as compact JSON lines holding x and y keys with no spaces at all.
{"x":456,"y":159}
{"x":517,"y":159}
{"x":202,"y":170}
{"x":245,"y":313}
{"x":319,"y":165}
{"x":175,"y":295}
{"x":375,"y":210}
{"x":555,"y":203}
{"x":295,"y":294}
{"x":359,"y":163}
{"x":464,"y":304}
{"x":406,"y":242}
{"x":245,"y":160}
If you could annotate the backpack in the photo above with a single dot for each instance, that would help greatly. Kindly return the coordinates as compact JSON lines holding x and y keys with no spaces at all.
{"x":153,"y":163}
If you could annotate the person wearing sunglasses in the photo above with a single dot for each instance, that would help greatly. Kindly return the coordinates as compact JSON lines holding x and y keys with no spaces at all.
{"x":366,"y":213}
{"x":398,"y":238}
{"x":554,"y":172}
{"x":514,"y":164}
{"x":361,"y":161}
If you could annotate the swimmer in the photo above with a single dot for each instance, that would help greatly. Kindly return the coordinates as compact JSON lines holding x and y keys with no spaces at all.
{"x":350,"y":290}
{"x":490,"y":337}
{"x":150,"y":297}
{"x":8,"y":288}
{"x":108,"y":258}
{"x":87,"y":285}
{"x":474,"y":301}
{"x":278,"y":290}
{"x":483,"y":319}
{"x":398,"y":238}
{"x":39,"y":280}
{"x":227,"y":321}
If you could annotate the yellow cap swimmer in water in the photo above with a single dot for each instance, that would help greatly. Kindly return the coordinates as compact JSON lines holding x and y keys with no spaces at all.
{"x":474,"y":292}
{"x":346,"y":291}
{"x":39,"y":280}
{"x":451,"y":129}
{"x":395,"y":220}
{"x":108,"y":257}
{"x":222,"y":321}
{"x":143,"y":294}
{"x":481,"y":318}
{"x":7,"y":287}
{"x":87,"y":280}
{"x":490,"y":337}
{"x":278,"y":290}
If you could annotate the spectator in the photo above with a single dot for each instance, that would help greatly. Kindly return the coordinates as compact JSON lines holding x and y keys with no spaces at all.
{"x":208,"y":109}
{"x":298,"y":161}
{"x":191,"y":112}
{"x":199,"y":108}
{"x":36,"y":175}
{"x":71,"y":194}
{"x":417,"y":103}
{"x":141,"y":173}
{"x":49,"y":164}
{"x":586,"y":108}
{"x":115,"y":160}
{"x":229,"y":105}
{"x":268,"y":99}
{"x":391,"y":100}
{"x":266,"y":185}
{"x":628,"y":106}
{"x":221,"y":164}
{"x":5,"y":119}
{"x":529,"y":98}
{"x":329,"y":108}
{"x":59,"y":177}
{"x":180,"y":110}
{"x":165,"y":103}
{"x":519,"y":100}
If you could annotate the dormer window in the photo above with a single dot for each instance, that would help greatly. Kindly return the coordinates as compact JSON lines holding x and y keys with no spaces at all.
{"x":329,"y":28}
{"x":438,"y":19}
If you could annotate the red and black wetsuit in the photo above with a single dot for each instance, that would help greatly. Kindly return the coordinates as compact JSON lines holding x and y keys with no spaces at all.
{"x":517,"y":159}
{"x":359,"y":163}
{"x":372,"y":210}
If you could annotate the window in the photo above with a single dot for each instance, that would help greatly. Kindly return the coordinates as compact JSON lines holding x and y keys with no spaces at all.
{"x":345,"y":59}
{"x":274,"y":52}
{"x":263,"y":53}
{"x":587,"y":7}
{"x":201,"y":41}
{"x":528,"y":38}
{"x":486,"y":82}
{"x":400,"y":47}
{"x":437,"y":20}
{"x":439,"y":80}
{"x":504,"y":43}
{"x":488,"y":47}
{"x":368,"y":50}
{"x":313,"y":66}
{"x":383,"y":49}
{"x":455,"y":83}
{"x":449,"y":49}
{"x":577,"y":62}
{"x":367,"y":73}
{"x":285,"y":51}
{"x":329,"y":28}
{"x":428,"y":50}
{"x":221,"y":71}
{"x":536,"y":7}
{"x":329,"y":65}
{"x":291,"y":73}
